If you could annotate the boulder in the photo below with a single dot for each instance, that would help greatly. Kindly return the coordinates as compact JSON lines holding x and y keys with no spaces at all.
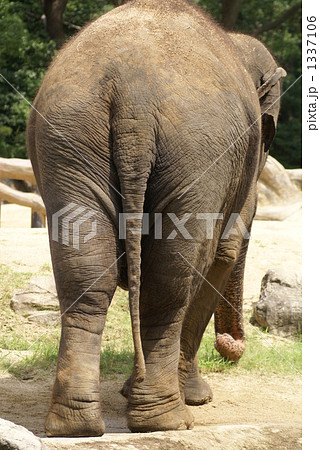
{"x":295,"y":176}
{"x":45,"y":283}
{"x":218,"y":437}
{"x":279,"y":308}
{"x":16,"y":437}
{"x":278,"y":194}
{"x":45,"y":317}
{"x":40,"y":295}
{"x":12,"y":356}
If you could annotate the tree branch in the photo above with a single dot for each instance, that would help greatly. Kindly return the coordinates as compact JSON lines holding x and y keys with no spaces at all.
{"x":284,"y":16}
{"x":43,"y":19}
{"x":71,"y":25}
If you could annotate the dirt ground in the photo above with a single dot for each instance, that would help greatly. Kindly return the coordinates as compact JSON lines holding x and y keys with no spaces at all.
{"x":247,"y":399}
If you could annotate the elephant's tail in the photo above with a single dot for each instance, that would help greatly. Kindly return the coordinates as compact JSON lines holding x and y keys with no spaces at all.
{"x":133,"y":160}
{"x":132,"y":225}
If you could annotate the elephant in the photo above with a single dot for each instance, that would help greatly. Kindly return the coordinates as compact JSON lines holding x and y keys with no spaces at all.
{"x":151,"y":110}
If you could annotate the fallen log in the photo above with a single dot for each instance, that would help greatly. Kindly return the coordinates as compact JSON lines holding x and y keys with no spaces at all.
{"x":31,"y":200}
{"x":17,"y":169}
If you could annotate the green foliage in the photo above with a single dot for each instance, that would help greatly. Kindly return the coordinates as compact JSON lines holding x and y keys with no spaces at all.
{"x":285,"y":42}
{"x":26,"y":51}
{"x":80,"y":12}
{"x":25,"y":54}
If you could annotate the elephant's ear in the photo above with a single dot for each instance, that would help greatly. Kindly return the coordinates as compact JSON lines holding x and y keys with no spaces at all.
{"x":269,"y":95}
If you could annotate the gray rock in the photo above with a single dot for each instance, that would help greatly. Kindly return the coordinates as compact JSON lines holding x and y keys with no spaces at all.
{"x":45,"y":317}
{"x":279,"y":308}
{"x":217,"y":437}
{"x":39,"y":295}
{"x":295,"y":176}
{"x":45,"y":283}
{"x":16,"y":437}
{"x":278,"y":195}
{"x":12,"y":356}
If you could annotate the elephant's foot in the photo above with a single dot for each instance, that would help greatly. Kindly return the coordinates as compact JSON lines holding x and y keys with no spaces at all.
{"x":197,"y":391}
{"x":178,"y":418}
{"x":157,"y":408}
{"x":126,"y":388}
{"x":70,"y":421}
{"x":228,"y":347}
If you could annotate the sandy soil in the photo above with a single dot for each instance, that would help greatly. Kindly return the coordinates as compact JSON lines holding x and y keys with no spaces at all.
{"x":238,"y":399}
{"x":23,"y":248}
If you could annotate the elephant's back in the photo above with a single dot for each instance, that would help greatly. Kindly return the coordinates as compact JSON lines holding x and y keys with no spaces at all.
{"x":169,"y":42}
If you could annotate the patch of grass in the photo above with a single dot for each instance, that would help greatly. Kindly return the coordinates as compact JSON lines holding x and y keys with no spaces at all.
{"x":113,"y":362}
{"x":45,"y":269}
{"x":10,"y":282}
{"x":270,"y":354}
{"x":18,"y":334}
{"x":14,"y":341}
{"x":117,"y":346}
{"x":264,"y":353}
{"x":42,"y":361}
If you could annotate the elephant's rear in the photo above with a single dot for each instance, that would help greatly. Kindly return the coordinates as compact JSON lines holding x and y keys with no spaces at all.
{"x":131,"y":109}
{"x":134,"y":111}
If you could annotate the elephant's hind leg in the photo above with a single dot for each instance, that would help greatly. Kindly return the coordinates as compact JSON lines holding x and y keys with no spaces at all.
{"x":86,"y":280}
{"x":155,"y":404}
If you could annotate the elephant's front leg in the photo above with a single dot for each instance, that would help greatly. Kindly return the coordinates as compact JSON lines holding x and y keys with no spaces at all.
{"x":86,"y":280}
{"x":222,"y":294}
{"x":194,"y":389}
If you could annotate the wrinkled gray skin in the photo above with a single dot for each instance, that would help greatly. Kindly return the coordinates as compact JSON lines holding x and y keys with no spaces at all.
{"x":142,"y":102}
